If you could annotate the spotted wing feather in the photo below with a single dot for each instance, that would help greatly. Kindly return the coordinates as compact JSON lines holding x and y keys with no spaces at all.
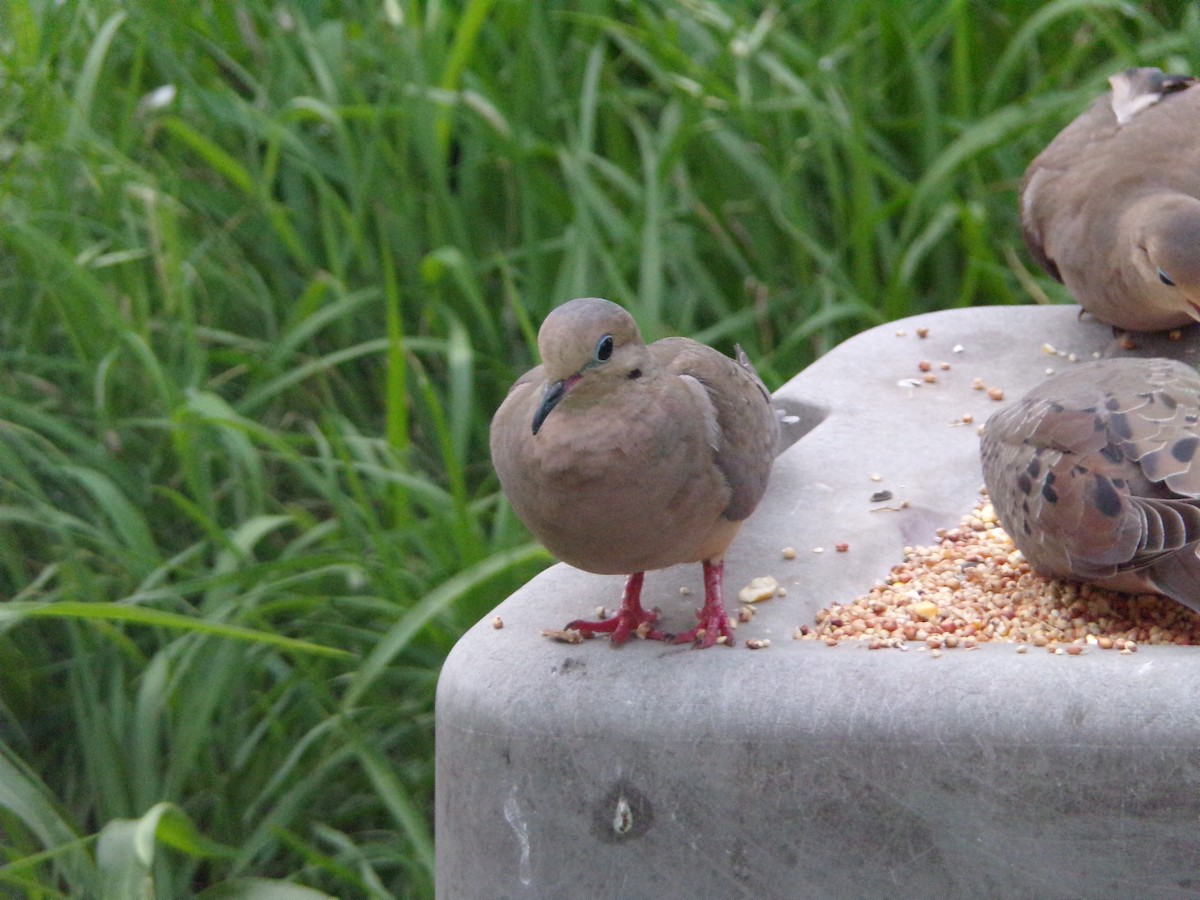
{"x":1092,"y":474}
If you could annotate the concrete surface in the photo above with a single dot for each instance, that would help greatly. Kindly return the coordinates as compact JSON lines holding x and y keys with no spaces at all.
{"x":808,"y":771}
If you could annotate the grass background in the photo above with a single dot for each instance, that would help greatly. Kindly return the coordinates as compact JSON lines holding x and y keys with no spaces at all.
{"x":266,"y":269}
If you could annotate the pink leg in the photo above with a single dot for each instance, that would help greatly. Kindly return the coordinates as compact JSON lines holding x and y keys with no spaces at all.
{"x":631,"y":618}
{"x":713,"y":621}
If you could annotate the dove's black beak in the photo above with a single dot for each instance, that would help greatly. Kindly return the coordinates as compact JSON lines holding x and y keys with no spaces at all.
{"x":550,"y":398}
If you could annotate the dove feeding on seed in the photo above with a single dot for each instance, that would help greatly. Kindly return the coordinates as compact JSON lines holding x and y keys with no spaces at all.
{"x":623,"y":457}
{"x":1094,"y":475}
{"x":1111,"y":207}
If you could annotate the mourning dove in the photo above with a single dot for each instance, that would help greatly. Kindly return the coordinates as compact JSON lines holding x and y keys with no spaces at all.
{"x":1110,"y":208}
{"x":622,"y":457}
{"x":1094,"y":475}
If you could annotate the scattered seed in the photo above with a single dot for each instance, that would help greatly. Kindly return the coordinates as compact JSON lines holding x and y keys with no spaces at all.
{"x":924,"y":609}
{"x":565,"y":636}
{"x":841,"y":546}
{"x":758,"y":643}
{"x":924,"y":365}
{"x":759,"y":589}
{"x":973,"y":586}
{"x":789,"y":552}
{"x":922,"y":332}
{"x":875,"y":476}
{"x":996,"y":393}
{"x":497,"y":623}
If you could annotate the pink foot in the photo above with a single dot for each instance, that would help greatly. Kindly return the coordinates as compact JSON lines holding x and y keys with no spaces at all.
{"x":631,"y":618}
{"x":714,"y":623}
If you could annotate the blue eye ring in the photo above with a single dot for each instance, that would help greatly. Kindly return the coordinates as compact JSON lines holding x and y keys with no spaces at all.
{"x":604,"y":348}
{"x":1165,"y":278}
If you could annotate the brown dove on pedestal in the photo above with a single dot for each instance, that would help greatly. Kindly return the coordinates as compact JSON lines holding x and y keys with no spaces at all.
{"x":1094,"y":475}
{"x":622,"y":457}
{"x":1111,"y":208}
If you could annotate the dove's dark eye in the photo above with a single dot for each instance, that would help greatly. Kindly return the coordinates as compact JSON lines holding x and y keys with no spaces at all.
{"x":1165,"y":278}
{"x":604,"y":348}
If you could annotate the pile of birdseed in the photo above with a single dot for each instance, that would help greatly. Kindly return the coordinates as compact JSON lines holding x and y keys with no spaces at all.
{"x":974,"y":586}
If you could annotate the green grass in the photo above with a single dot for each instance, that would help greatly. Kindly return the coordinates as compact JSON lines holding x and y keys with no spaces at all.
{"x":251,"y":338}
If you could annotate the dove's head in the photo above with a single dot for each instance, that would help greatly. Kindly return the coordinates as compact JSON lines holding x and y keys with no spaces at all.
{"x":1167,"y":252}
{"x":589,"y":347}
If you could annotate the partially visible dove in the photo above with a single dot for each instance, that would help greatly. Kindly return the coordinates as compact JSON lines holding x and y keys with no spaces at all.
{"x":1094,"y":474}
{"x":622,"y":457}
{"x":1111,"y":207}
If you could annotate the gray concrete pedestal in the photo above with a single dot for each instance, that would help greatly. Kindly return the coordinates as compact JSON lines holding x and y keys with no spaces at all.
{"x":802,"y":770}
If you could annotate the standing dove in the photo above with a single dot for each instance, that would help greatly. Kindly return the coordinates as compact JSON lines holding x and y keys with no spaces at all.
{"x":1094,"y":475}
{"x":622,"y":457}
{"x":1111,"y":208}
